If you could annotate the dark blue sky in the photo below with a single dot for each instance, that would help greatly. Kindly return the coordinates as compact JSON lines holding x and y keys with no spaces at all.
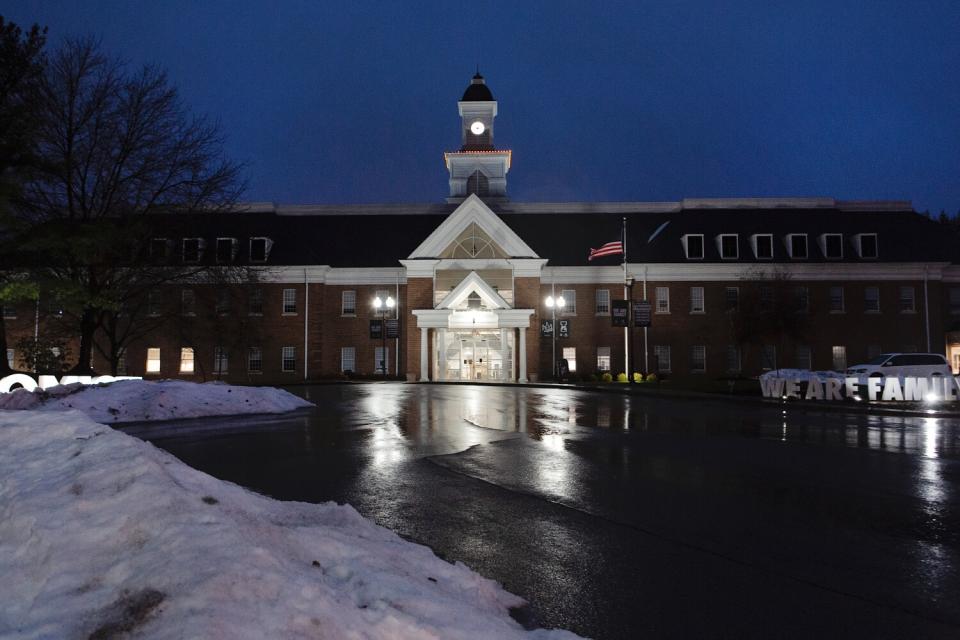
{"x":355,"y":102}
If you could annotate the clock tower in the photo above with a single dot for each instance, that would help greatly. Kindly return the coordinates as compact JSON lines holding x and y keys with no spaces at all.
{"x":478,"y":167}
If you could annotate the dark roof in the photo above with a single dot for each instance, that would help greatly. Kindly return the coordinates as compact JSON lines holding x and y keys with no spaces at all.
{"x":380,"y":240}
{"x":478,"y":91}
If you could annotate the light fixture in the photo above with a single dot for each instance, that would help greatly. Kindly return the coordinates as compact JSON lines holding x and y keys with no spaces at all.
{"x":561,"y":303}
{"x":391,"y":303}
{"x":549,"y":302}
{"x":377,"y":302}
{"x":477,"y":128}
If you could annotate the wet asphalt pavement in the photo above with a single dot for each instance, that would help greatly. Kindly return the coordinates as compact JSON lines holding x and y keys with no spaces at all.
{"x":632,"y":517}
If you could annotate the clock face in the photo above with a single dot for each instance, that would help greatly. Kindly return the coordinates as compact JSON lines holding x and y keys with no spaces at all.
{"x":477,"y":128}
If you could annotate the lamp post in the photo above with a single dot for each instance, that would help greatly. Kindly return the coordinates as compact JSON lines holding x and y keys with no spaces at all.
{"x":553,"y":305}
{"x":383,"y":308}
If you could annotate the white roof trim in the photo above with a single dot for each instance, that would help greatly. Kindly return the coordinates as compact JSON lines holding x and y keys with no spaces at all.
{"x":473,"y":210}
{"x":473,"y":283}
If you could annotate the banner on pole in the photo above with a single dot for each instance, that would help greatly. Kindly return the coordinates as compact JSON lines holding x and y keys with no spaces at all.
{"x":619,"y":309}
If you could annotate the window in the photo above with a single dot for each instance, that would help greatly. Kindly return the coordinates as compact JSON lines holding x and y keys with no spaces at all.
{"x":836,"y":300}
{"x":223,"y":301}
{"x":192,"y":249}
{"x":906,"y":300}
{"x":186,"y":360}
{"x":221,"y":360}
{"x":797,"y":245}
{"x":832,"y":246}
{"x":226,"y":250}
{"x":729,"y":246}
{"x":873,"y":351}
{"x":766,"y":297}
{"x":153,"y":360}
{"x":569,"y":302}
{"x":122,"y":362}
{"x":662,"y":355}
{"x":731,"y":298}
{"x":9,"y":311}
{"x":570,"y":355}
{"x":381,"y":360}
{"x":802,"y":299}
{"x":733,"y":358}
{"x":255,"y":302}
{"x":154,"y":300}
{"x":763,"y":246}
{"x":188,"y":302}
{"x":954,"y":294}
{"x":804,"y":357}
{"x":696,"y":299}
{"x":663,"y":299}
{"x":603,"y":358}
{"x":867,"y":246}
{"x":259,"y":249}
{"x":348,"y":303}
{"x":289,"y":301}
{"x":11,"y":357}
{"x":839,"y":358}
{"x":288,"y":359}
{"x":693,"y":245}
{"x":871,"y":300}
{"x":255,"y":360}
{"x":768,"y":357}
{"x":159,"y":248}
{"x":348,"y":359}
{"x":603,"y":302}
{"x":698,"y":359}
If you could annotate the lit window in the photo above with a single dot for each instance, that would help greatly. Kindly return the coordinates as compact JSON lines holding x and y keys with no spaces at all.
{"x":661,"y":354}
{"x":192,"y":250}
{"x":289,"y":300}
{"x":348,"y":359}
{"x":871,"y":299}
{"x":226,"y":250}
{"x":836,"y":300}
{"x":839,"y":358}
{"x":221,"y":361}
{"x":802,"y":299}
{"x":603,"y":358}
{"x":797,"y":244}
{"x":907,"y":300}
{"x":188,"y":306}
{"x":733,"y":358}
{"x":729,"y":246}
{"x":255,"y":302}
{"x":868,"y":246}
{"x":569,"y":301}
{"x":804,"y":357}
{"x":570,"y":355}
{"x":122,"y":362}
{"x":259,"y":249}
{"x":186,"y":360}
{"x":288,"y":359}
{"x":603,"y":302}
{"x":763,"y":246}
{"x":768,"y":357}
{"x":381,"y":359}
{"x":731,"y":297}
{"x":11,"y":357}
{"x":153,"y":360}
{"x":693,"y":245}
{"x":663,"y":299}
{"x":696,"y":299}
{"x":698,"y":358}
{"x":255,"y":360}
{"x":348,"y":303}
{"x":832,"y":246}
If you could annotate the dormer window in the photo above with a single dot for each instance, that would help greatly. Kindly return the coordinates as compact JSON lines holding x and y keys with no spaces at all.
{"x":226,"y":250}
{"x":159,"y":248}
{"x":867,"y":246}
{"x":797,"y":246}
{"x":729,"y":246}
{"x":192,"y":250}
{"x":260,"y":249}
{"x":693,"y":246}
{"x":763,"y":246}
{"x":832,"y":246}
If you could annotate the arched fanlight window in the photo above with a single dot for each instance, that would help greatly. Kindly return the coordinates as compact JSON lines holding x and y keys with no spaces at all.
{"x":473,"y":243}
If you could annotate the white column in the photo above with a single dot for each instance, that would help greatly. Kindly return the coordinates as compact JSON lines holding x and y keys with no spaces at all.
{"x":424,"y":360}
{"x":504,"y":364}
{"x":523,"y":355}
{"x":442,"y":353}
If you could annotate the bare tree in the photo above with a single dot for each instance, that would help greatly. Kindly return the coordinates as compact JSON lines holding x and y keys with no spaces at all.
{"x":116,"y":147}
{"x":773,"y":309}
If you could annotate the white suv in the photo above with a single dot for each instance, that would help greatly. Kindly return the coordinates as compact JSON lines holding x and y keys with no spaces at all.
{"x":915,"y":365}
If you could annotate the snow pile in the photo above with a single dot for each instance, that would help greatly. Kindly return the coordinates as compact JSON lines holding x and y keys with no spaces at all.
{"x":138,"y":400}
{"x":802,"y":375}
{"x":102,"y":534}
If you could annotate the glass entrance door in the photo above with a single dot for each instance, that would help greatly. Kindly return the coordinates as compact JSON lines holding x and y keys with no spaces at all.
{"x":476,"y":356}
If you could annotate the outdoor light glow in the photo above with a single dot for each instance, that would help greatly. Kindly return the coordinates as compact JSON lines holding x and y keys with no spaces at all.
{"x":931,"y":398}
{"x":549,"y":302}
{"x":377,"y":302}
{"x":561,"y":303}
{"x":477,"y":128}
{"x":391,"y":303}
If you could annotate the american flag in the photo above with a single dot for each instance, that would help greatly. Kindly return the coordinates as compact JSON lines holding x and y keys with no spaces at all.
{"x":609,"y":249}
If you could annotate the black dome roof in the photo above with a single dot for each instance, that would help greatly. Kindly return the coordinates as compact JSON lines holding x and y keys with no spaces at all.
{"x":478,"y":91}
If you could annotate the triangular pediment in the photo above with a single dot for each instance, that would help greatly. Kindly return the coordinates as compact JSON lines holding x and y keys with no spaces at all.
{"x":472,"y":211}
{"x":473,"y":283}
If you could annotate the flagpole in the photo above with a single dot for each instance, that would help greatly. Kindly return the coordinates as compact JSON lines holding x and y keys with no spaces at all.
{"x":626,"y":329}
